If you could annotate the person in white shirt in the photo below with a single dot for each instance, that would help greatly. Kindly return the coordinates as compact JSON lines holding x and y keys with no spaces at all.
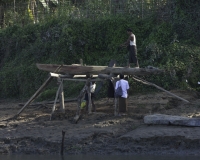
{"x":122,"y":101}
{"x":92,"y":90}
{"x":131,"y":46}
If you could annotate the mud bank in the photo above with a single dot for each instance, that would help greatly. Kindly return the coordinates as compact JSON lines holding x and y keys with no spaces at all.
{"x":103,"y":144}
{"x":102,"y":132}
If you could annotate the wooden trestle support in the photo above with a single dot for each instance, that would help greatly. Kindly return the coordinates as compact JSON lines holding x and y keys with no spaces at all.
{"x":87,"y":76}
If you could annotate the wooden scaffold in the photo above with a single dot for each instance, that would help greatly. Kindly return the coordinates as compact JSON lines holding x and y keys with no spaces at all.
{"x":88,"y":74}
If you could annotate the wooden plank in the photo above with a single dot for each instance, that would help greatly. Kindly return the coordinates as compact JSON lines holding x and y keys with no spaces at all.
{"x":132,"y":71}
{"x":70,"y":76}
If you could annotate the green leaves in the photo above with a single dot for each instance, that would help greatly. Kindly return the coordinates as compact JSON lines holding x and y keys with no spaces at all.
{"x":46,"y":4}
{"x":172,"y":45}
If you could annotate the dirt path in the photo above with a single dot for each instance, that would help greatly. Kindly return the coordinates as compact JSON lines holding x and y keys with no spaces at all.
{"x":102,"y":132}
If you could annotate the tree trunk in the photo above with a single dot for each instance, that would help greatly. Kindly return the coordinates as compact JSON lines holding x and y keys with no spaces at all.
{"x":2,"y":16}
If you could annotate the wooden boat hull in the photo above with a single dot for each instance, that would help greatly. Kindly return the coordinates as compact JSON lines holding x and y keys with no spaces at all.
{"x":86,"y":70}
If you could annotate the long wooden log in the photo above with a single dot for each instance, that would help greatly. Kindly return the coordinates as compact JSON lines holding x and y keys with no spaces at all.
{"x":85,"y":70}
{"x":152,"y":84}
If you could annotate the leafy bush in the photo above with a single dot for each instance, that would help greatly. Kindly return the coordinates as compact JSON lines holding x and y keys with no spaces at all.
{"x":65,"y":40}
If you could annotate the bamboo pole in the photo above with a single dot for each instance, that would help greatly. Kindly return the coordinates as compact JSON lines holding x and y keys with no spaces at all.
{"x":152,"y":84}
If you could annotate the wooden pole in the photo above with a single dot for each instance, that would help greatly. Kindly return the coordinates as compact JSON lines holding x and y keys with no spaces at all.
{"x":78,"y":113}
{"x":89,"y":97}
{"x":62,"y":143}
{"x":54,"y":105}
{"x":37,"y":92}
{"x":152,"y":84}
{"x":61,"y":97}
{"x":35,"y":95}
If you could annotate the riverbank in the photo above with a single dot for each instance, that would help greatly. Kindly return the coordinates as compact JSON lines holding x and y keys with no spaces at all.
{"x":102,"y":132}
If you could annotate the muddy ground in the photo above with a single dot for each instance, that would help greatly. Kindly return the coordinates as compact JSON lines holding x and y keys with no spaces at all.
{"x":102,"y":132}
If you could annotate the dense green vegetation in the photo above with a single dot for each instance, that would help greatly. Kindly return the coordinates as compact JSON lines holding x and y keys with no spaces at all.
{"x":171,"y":43}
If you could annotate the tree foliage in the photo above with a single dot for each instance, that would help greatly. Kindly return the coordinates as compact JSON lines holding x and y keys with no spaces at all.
{"x":169,"y":44}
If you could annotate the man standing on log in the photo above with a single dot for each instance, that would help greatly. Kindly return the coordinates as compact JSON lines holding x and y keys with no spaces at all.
{"x":131,"y":46}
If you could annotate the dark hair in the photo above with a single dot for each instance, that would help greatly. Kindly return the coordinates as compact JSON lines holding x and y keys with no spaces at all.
{"x":121,"y":76}
{"x":129,"y":30}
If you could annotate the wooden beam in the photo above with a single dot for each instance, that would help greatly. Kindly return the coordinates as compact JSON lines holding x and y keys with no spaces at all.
{"x":60,"y":75}
{"x":81,"y":80}
{"x":37,"y":93}
{"x":152,"y":84}
{"x":70,"y":76}
{"x":131,"y":71}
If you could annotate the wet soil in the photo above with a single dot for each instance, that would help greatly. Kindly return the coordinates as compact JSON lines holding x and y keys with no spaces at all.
{"x":101,"y":132}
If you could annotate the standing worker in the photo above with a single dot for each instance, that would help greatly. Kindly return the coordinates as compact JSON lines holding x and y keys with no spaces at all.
{"x":131,"y":46}
{"x":123,"y":99}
